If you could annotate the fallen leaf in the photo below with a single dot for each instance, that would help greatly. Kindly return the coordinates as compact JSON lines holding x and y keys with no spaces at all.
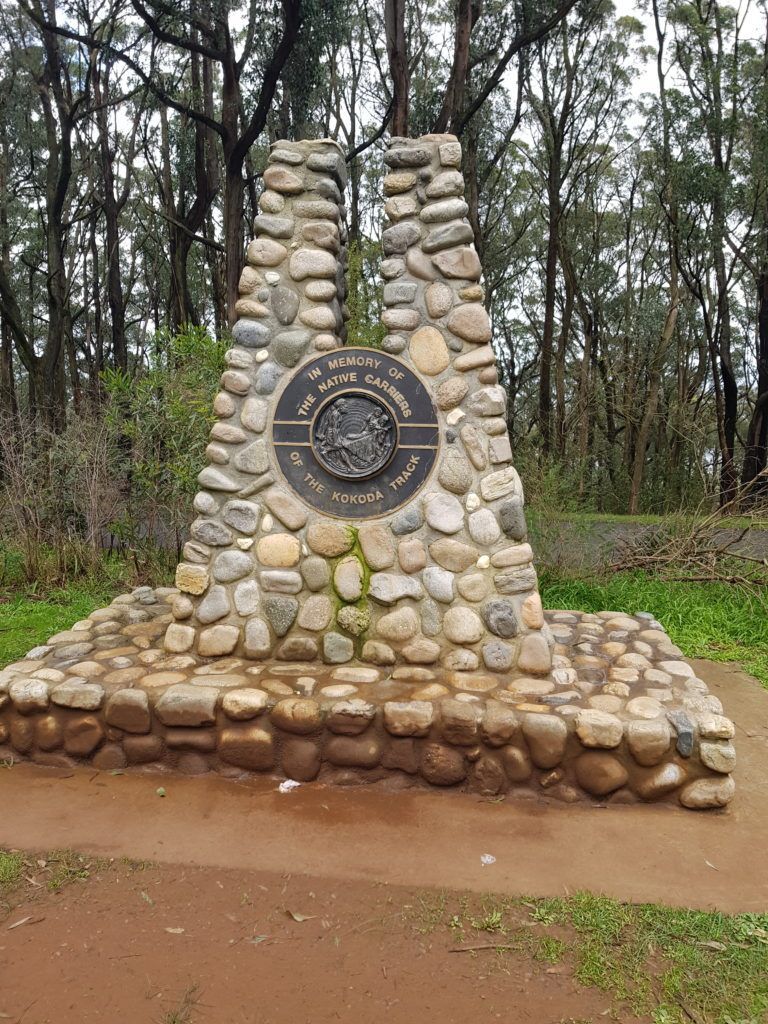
{"x":711,"y":865}
{"x":300,"y":917}
{"x":256,"y":939}
{"x":713,"y":944}
{"x":25,"y":920}
{"x":175,"y":931}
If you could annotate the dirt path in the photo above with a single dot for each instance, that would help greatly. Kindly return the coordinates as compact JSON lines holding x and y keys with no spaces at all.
{"x":420,"y":838}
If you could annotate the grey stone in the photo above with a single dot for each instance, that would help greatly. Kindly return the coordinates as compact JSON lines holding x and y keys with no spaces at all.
{"x":281,"y":581}
{"x":401,"y":291}
{"x":455,"y":473}
{"x":439,"y":584}
{"x":243,"y":516}
{"x":247,"y":597}
{"x":387,"y":588}
{"x":209,"y":531}
{"x":216,"y":480}
{"x":77,"y":693}
{"x":684,"y":728}
{"x":257,"y":639}
{"x":348,"y":579}
{"x":187,"y":705}
{"x":490,"y":401}
{"x":498,"y":656}
{"x":251,"y":334}
{"x":315,"y":613}
{"x":394,"y":344}
{"x":391,"y":269}
{"x":231,"y":565}
{"x":337,"y":648}
{"x":276,"y":227}
{"x":285,"y":304}
{"x":254,"y":415}
{"x":410,"y":157}
{"x":267,"y":376}
{"x":444,"y":512}
{"x":447,"y":237}
{"x":447,"y":183}
{"x":329,"y":163}
{"x":512,"y":518}
{"x":500,"y":618}
{"x":312,"y":263}
{"x":516,"y":581}
{"x":407,"y":521}
{"x":289,"y":346}
{"x":281,"y":612}
{"x":483,"y":527}
{"x":315,"y":572}
{"x":286,"y":508}
{"x":253,"y":459}
{"x":445,"y":210}
{"x":214,"y":606}
{"x":398,"y":238}
{"x":719,"y":756}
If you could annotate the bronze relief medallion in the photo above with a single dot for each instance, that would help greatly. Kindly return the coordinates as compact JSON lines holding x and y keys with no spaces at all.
{"x":355,"y":433}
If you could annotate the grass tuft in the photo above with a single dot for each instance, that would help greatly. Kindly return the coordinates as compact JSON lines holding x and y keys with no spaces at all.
{"x":11,"y":865}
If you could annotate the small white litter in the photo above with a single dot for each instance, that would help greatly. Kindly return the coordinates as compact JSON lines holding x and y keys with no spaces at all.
{"x":288,"y":785}
{"x":487,"y":859}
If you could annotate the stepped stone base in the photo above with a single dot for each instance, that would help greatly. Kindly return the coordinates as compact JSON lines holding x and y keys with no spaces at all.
{"x":620,"y":717}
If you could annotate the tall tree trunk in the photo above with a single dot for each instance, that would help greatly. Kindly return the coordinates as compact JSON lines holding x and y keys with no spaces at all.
{"x":394,"y":28}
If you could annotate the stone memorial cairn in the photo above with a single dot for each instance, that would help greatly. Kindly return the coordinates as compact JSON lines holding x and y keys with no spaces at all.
{"x":357,"y":600}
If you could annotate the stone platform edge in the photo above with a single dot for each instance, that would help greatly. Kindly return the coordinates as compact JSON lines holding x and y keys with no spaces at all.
{"x":103,"y":694}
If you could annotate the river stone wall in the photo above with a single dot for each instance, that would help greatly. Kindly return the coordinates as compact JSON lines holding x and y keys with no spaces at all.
{"x":448,"y":578}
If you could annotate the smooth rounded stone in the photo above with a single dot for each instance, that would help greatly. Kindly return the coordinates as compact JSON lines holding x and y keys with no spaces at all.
{"x":431,"y":617}
{"x":336,"y":690}
{"x":265,"y":252}
{"x":397,"y":182}
{"x":402,"y":624}
{"x":599,"y":773}
{"x":316,"y":209}
{"x":77,"y":693}
{"x":299,"y":715}
{"x":350,"y":717}
{"x":316,"y":613}
{"x":377,"y":653}
{"x":388,"y":588}
{"x":354,"y":620}
{"x":337,"y":649}
{"x":459,"y":660}
{"x":394,"y":344}
{"x":474,"y":587}
{"x":421,"y":651}
{"x":470,"y":322}
{"x":319,"y":318}
{"x":275,"y":227}
{"x":477,"y":359}
{"x":684,"y":729}
{"x":525,"y":686}
{"x":230,"y":566}
{"x":440,"y":212}
{"x":451,"y":393}
{"x":532,"y":612}
{"x":271,"y":202}
{"x":446,"y":236}
{"x":316,"y":572}
{"x":215,"y":605}
{"x":281,"y":612}
{"x":438,"y":298}
{"x":186,"y":705}
{"x":608,"y":702}
{"x":461,"y":263}
{"x":452,"y":554}
{"x":320,"y":291}
{"x":297,"y":648}
{"x":455,"y":473}
{"x":280,"y":179}
{"x":397,"y":239}
{"x":512,"y":518}
{"x":242,"y":516}
{"x":330,"y":539}
{"x":644,"y":707}
{"x":323,"y":233}
{"x":267,"y":376}
{"x":407,"y":521}
{"x":129,"y":710}
{"x":719,"y":756}
{"x":419,"y":265}
{"x":247,"y":598}
{"x":409,"y":157}
{"x":534,"y":655}
{"x":253,"y":459}
{"x":546,"y":737}
{"x":244,"y":704}
{"x":29,"y":695}
{"x":659,"y":782}
{"x":439,"y":584}
{"x":377,"y":545}
{"x":281,"y":581}
{"x":715,"y":727}
{"x":429,"y":351}
{"x":237,"y":384}
{"x":500,"y":724}
{"x":459,"y":722}
{"x":512,"y":557}
{"x":704,"y":793}
{"x":446,"y":183}
{"x":498,"y":656}
{"x":474,"y":445}
{"x":484,"y":528}
{"x":250,"y":747}
{"x":348,"y":579}
{"x":83,"y":735}
{"x":599,"y":729}
{"x":285,"y":304}
{"x":279,"y":549}
{"x":441,"y":765}
{"x":444,"y":513}
{"x":679,"y":670}
{"x":408,"y":718}
{"x":462,"y":625}
{"x":315,"y":263}
{"x":399,"y":292}
{"x":353,"y":751}
{"x":500,"y":618}
{"x":411,"y":555}
{"x":217,"y":640}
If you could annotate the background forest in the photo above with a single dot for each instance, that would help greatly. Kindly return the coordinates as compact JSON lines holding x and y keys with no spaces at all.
{"x":616,"y":161}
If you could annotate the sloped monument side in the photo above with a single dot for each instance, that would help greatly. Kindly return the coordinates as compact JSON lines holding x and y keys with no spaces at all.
{"x":394,"y":528}
{"x":357,"y":599}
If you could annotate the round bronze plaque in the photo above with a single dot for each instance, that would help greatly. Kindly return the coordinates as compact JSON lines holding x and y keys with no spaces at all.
{"x":355,"y":433}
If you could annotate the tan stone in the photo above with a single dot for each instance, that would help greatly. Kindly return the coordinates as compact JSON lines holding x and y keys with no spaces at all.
{"x":249,"y":746}
{"x":408,"y":718}
{"x":462,"y":263}
{"x":412,"y":555}
{"x":129,"y":710}
{"x":600,"y":773}
{"x":398,"y":181}
{"x":398,"y":625}
{"x":192,"y":579}
{"x":329,"y":539}
{"x":463,"y":625}
{"x":451,"y":392}
{"x":439,"y":299}
{"x":442,"y":765}
{"x":178,"y":638}
{"x":452,"y":554}
{"x":279,"y":550}
{"x":470,"y":322}
{"x":532,"y":612}
{"x":298,"y":715}
{"x":599,"y":729}
{"x":377,"y":653}
{"x":546,"y":737}
{"x":377,"y":545}
{"x":429,"y":351}
{"x":348,"y":579}
{"x":218,"y":640}
{"x":705,"y":793}
{"x":474,"y":587}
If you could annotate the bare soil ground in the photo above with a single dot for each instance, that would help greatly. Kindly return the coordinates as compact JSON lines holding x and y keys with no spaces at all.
{"x":208,"y":930}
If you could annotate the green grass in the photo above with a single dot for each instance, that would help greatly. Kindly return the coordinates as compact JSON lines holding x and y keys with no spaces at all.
{"x":706,"y":620}
{"x":11,"y":865}
{"x":28,"y":620}
{"x":673,"y":965}
{"x":649,"y":519}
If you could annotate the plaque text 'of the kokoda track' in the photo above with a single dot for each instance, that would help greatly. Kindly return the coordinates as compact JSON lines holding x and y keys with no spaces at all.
{"x":355,"y":433}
